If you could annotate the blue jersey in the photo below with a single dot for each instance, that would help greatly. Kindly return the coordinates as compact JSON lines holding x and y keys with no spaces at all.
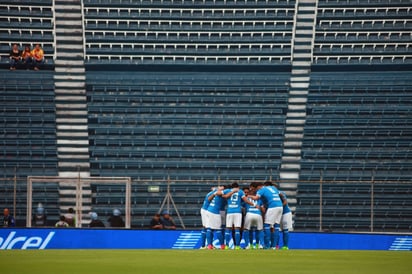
{"x":215,"y":204}
{"x":270,"y":196}
{"x":234,"y":203}
{"x":253,"y":209}
{"x":223,"y":206}
{"x":206,"y":201}
{"x":286,"y":208}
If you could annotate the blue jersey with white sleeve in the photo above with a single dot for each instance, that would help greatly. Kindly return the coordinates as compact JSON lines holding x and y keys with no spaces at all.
{"x":216,"y":204}
{"x":234,"y":203}
{"x":270,"y":196}
{"x":206,"y":201}
{"x":286,"y":208}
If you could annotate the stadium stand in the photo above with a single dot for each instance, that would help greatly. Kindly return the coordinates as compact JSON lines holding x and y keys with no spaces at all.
{"x":363,"y":32}
{"x":347,"y":207}
{"x":191,"y":126}
{"x":28,"y":138}
{"x":27,"y":22}
{"x":182,"y":32}
{"x":46,"y":194}
{"x":215,"y":90}
{"x":352,"y":130}
{"x":186,"y":195}
{"x":28,"y":124}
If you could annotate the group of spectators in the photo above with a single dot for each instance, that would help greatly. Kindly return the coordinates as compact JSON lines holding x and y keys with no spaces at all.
{"x":27,"y":58}
{"x":163,"y":221}
{"x":65,"y":220}
{"x":69,"y":220}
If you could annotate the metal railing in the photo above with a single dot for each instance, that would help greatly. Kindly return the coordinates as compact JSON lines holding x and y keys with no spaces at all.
{"x":375,"y":200}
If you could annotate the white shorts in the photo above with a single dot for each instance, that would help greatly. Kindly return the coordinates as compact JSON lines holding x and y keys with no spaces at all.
{"x":223,"y":217}
{"x":252,"y":220}
{"x":287,"y":221}
{"x":234,"y":219}
{"x":204,"y":215}
{"x":215,"y":221}
{"x":273,"y":215}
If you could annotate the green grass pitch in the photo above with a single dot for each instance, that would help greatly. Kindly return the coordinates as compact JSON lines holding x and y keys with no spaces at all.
{"x":203,"y":261}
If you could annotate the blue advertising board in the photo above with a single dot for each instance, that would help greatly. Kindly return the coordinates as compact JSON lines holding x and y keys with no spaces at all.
{"x":181,"y":239}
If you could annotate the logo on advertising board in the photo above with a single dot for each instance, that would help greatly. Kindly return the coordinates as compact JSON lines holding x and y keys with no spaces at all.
{"x":16,"y":240}
{"x":187,"y":240}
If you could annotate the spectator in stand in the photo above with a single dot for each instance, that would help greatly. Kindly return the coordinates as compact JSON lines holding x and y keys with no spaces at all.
{"x":70,"y":218}
{"x":156,"y":222}
{"x":8,"y":220}
{"x":167,"y":221}
{"x":38,"y":57}
{"x":116,"y":220}
{"x":95,"y":222}
{"x":62,"y":222}
{"x":15,"y":56}
{"x":26,"y":57}
{"x":40,"y":218}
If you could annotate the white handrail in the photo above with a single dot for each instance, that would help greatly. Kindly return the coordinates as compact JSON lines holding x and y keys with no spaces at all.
{"x":83,"y":29}
{"x":54,"y":31}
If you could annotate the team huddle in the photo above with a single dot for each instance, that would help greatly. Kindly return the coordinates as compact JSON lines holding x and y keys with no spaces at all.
{"x":265,"y":208}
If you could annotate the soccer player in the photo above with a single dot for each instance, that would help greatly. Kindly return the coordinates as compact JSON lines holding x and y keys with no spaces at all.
{"x":204,"y":216}
{"x":234,"y":197}
{"x":253,"y":219}
{"x":270,"y":198}
{"x":223,"y":214}
{"x":286,"y":221}
{"x":214,"y":221}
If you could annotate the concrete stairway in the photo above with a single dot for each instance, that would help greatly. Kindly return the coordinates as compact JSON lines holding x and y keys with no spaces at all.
{"x":71,"y":100}
{"x":304,"y":31}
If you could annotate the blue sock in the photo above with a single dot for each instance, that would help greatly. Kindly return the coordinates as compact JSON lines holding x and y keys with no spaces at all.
{"x":246,"y":235}
{"x":209,"y":236}
{"x":203,"y":237}
{"x":222,"y":235}
{"x":260,"y":238}
{"x":277,"y":233}
{"x":266,"y":229}
{"x":251,"y":236}
{"x":219,"y":236}
{"x":228,"y":235}
{"x":286,"y":237}
{"x":272,"y":238}
{"x":237,"y":237}
{"x":278,"y":242}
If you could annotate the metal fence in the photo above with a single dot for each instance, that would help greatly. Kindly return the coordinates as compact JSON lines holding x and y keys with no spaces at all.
{"x":367,"y":206}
